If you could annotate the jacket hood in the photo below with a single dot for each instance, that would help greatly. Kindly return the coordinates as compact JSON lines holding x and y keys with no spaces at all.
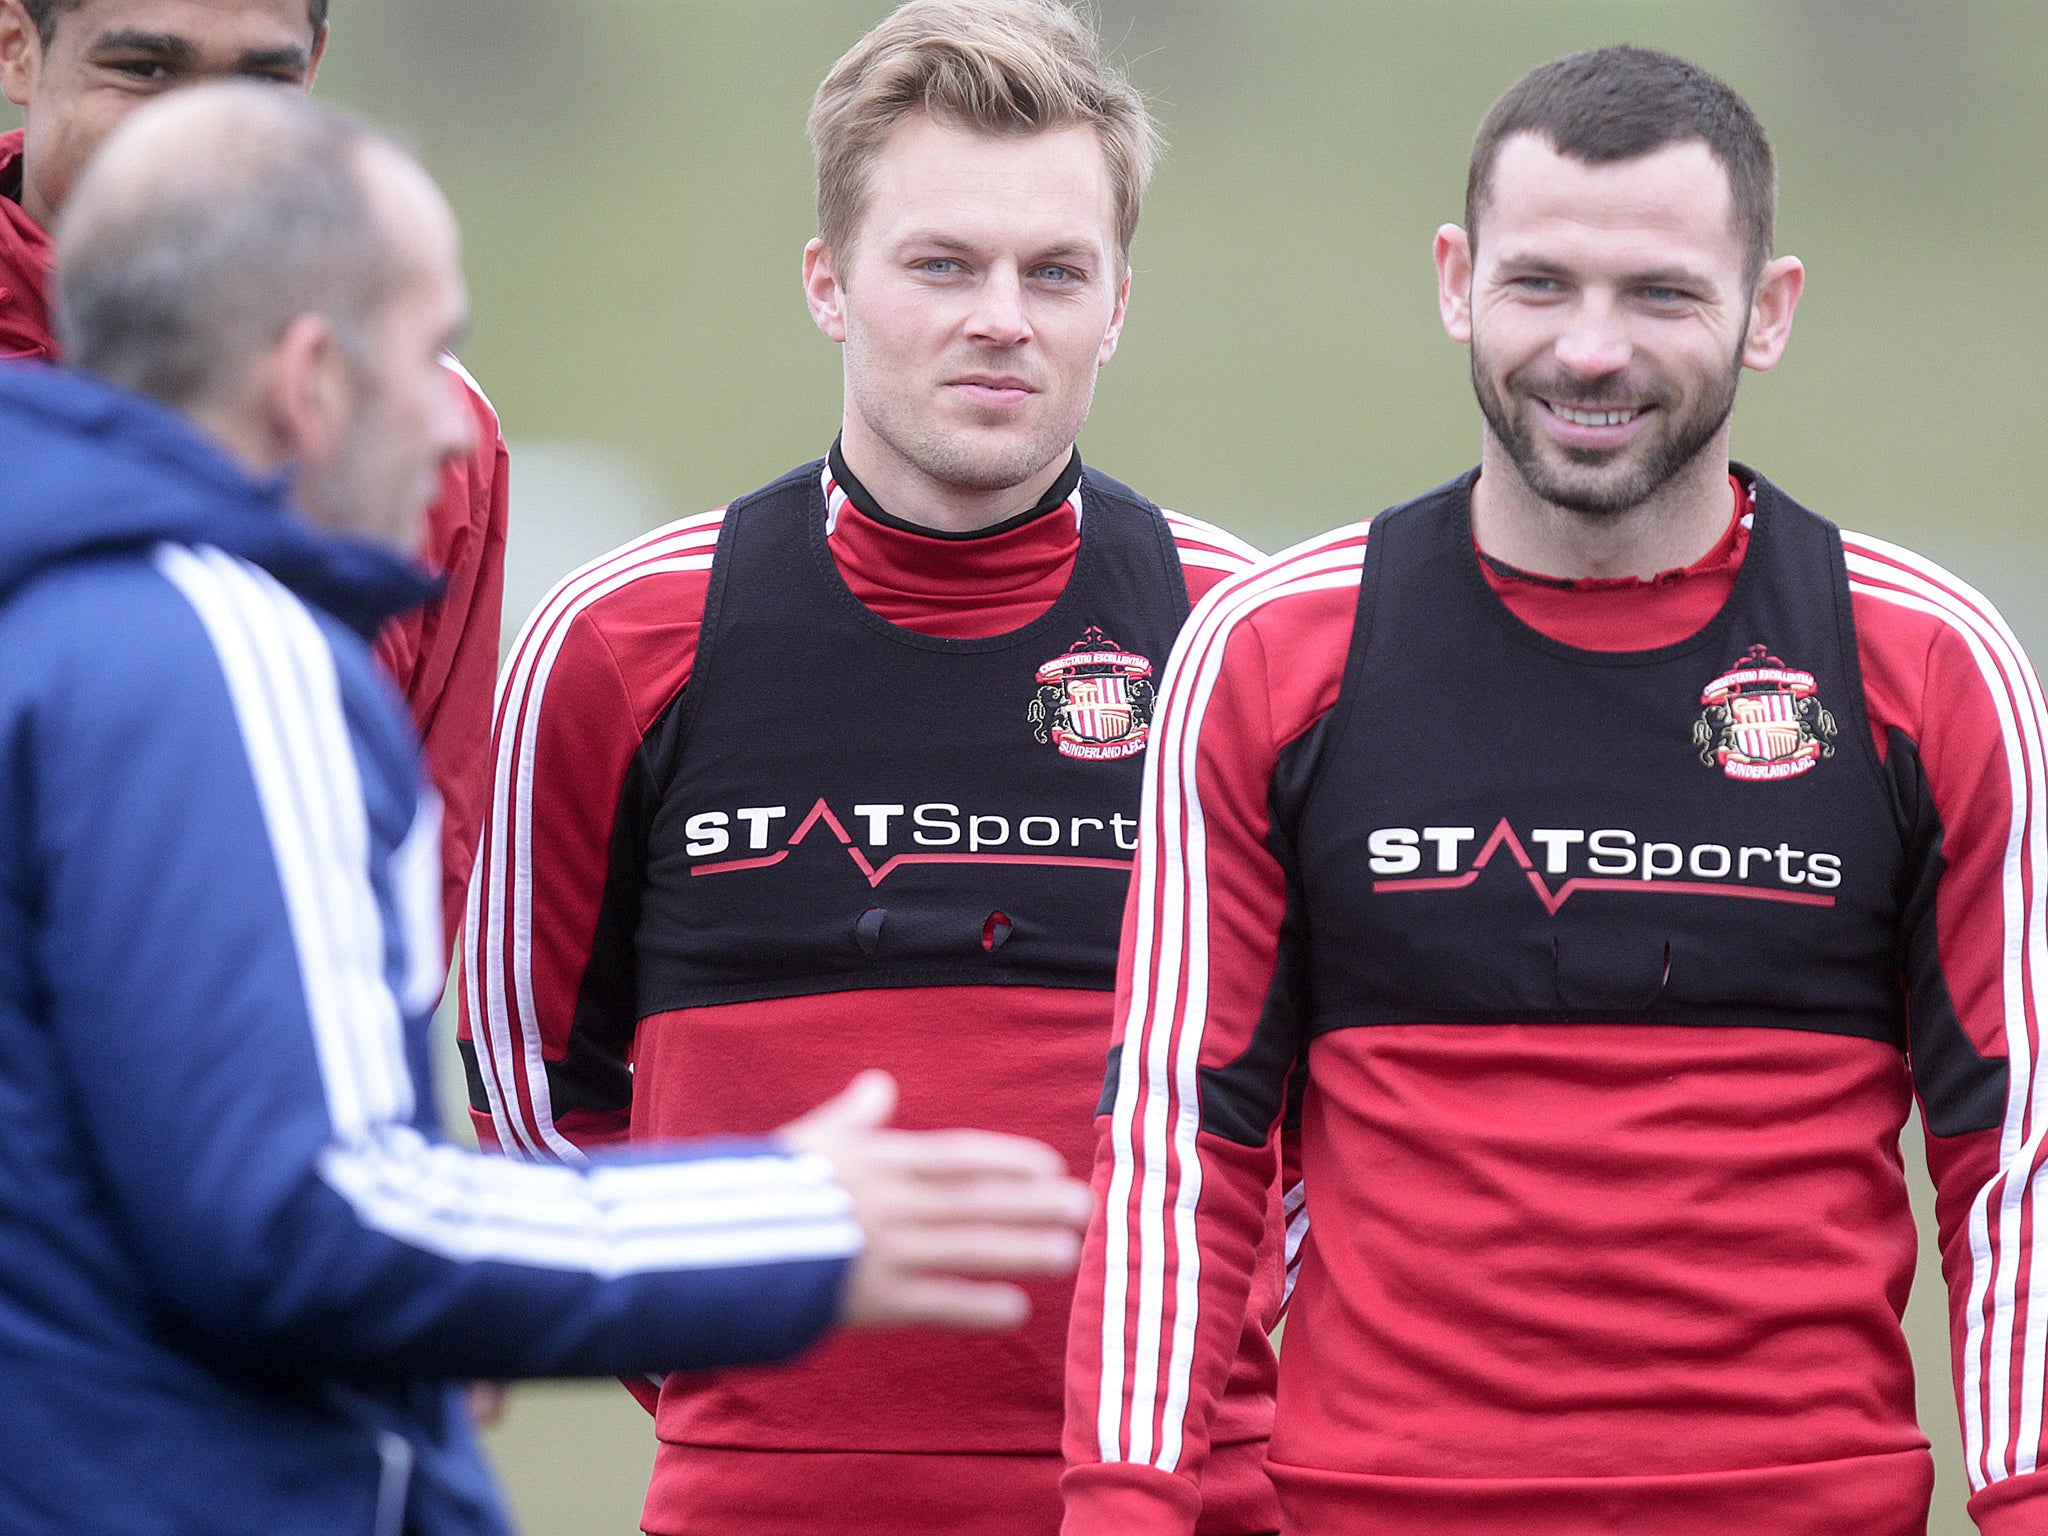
{"x":88,"y":468}
{"x":25,"y":260}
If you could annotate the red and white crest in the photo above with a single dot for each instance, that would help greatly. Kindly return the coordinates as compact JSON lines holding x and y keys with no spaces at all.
{"x":1762,"y":720}
{"x":1094,"y":701}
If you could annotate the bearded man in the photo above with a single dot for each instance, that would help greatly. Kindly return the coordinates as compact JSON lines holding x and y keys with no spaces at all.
{"x":1619,"y":848}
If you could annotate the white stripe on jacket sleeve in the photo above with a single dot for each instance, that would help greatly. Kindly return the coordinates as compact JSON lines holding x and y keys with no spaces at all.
{"x":286,"y":693}
{"x":1225,"y":550}
{"x":2003,"y":1375}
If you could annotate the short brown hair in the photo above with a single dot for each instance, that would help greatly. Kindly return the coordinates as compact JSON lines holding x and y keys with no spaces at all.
{"x":994,"y":66}
{"x":1621,"y":103}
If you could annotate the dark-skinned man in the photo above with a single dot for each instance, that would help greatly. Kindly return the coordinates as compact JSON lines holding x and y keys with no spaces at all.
{"x":78,"y":69}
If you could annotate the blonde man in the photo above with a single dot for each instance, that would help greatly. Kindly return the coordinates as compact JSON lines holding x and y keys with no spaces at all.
{"x":848,"y":773}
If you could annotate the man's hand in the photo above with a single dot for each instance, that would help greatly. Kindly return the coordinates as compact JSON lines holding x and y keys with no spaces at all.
{"x":939,"y":1206}
{"x":487,"y":1401}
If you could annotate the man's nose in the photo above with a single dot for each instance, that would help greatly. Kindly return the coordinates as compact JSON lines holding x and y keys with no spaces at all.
{"x":1595,"y":341}
{"x":999,"y":317}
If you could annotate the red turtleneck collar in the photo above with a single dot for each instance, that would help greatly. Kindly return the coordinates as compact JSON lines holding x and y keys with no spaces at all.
{"x":954,"y":586}
{"x":25,"y":262}
{"x":1630,"y":613}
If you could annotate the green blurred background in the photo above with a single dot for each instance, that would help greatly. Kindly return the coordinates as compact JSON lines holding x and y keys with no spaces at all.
{"x":635,"y":185}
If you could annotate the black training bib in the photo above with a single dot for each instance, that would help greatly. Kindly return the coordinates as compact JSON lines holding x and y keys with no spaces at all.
{"x":1495,"y":827}
{"x":854,"y":804}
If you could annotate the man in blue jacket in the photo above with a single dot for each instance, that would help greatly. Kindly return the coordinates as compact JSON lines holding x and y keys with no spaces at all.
{"x":240,"y":1266}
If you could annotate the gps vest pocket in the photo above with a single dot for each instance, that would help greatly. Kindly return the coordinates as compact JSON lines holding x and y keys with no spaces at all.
{"x":1609,"y":971}
{"x":930,"y":930}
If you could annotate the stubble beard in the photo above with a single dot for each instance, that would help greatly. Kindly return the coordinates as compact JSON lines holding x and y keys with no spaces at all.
{"x":959,"y":457}
{"x":1630,"y":478}
{"x":363,"y":488}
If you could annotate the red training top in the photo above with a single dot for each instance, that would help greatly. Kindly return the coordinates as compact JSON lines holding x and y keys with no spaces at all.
{"x":906,"y":1431}
{"x":1680,"y":1253}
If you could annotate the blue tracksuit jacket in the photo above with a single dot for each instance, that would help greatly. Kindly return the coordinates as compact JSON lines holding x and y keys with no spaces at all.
{"x":237,"y":1264}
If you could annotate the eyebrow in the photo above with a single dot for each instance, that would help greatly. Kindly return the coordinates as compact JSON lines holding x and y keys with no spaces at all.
{"x":162,"y":45}
{"x":1071,"y":248}
{"x":1649,"y":277}
{"x":933,"y":238}
{"x":169,"y":48}
{"x":1670,"y":277}
{"x":1065,"y":249}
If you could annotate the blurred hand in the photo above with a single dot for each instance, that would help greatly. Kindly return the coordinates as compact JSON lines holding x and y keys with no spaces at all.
{"x":938,"y":1207}
{"x":487,"y":1402}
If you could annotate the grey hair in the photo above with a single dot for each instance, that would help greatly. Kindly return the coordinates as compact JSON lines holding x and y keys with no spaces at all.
{"x":170,"y":281}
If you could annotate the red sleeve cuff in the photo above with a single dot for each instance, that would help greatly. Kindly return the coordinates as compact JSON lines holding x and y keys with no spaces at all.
{"x":1120,"y":1499}
{"x":2013,"y":1506}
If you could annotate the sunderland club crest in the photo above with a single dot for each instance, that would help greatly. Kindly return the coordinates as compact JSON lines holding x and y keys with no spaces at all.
{"x":1763,"y":721}
{"x":1095,"y":701}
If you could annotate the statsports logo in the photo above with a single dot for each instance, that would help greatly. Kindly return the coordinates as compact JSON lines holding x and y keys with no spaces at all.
{"x":1763,"y":721}
{"x":1095,"y":701}
{"x":1577,"y":860}
{"x":936,"y":832}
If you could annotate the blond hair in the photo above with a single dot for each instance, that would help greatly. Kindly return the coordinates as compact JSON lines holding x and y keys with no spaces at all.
{"x":993,"y":66}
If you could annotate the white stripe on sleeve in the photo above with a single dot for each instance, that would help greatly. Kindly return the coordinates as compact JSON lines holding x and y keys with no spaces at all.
{"x":2000,"y":1372}
{"x":286,"y":693}
{"x":1226,"y":552}
{"x":499,"y":921}
{"x":1164,"y":1027}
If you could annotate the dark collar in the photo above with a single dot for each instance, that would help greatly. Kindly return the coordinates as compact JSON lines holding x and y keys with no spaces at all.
{"x":1057,"y":495}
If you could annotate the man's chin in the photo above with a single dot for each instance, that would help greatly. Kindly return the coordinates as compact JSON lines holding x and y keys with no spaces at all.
{"x":1583,"y":479}
{"x":983,"y":479}
{"x":985,"y":462}
{"x":1599,"y":488}
{"x":411,"y":539}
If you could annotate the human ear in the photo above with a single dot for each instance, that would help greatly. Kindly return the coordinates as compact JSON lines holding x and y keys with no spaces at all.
{"x":1116,"y":321}
{"x":823,"y":290}
{"x":307,"y":392}
{"x":1454,"y":281}
{"x":1778,"y":288}
{"x":21,"y":53}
